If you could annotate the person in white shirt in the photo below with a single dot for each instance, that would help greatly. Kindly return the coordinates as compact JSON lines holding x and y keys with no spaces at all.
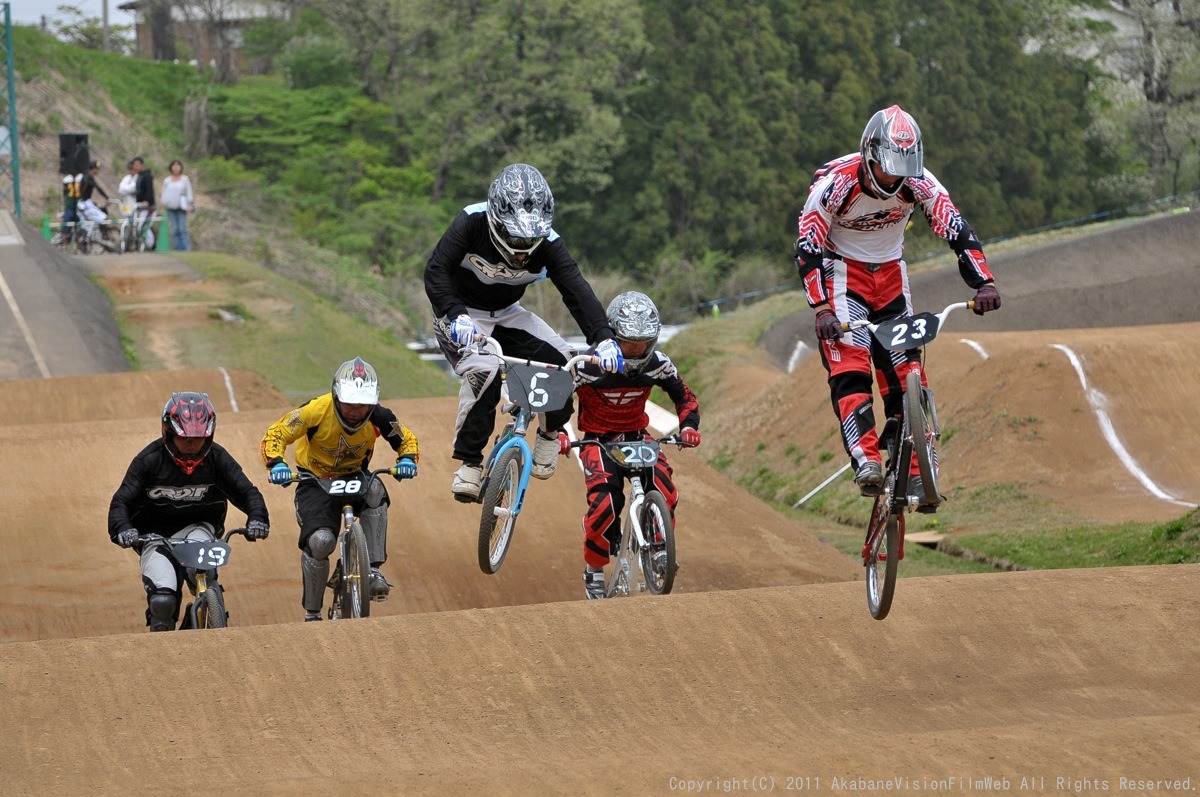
{"x":178,"y":200}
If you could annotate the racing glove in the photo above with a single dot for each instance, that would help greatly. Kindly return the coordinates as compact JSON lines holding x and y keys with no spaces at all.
{"x":404,"y":468}
{"x":257,"y":530}
{"x":690,"y":436}
{"x":987,"y":299}
{"x":280,"y":473}
{"x":611,"y":358}
{"x":564,"y":444}
{"x":127,"y":538}
{"x":828,"y":326}
{"x":463,"y":330}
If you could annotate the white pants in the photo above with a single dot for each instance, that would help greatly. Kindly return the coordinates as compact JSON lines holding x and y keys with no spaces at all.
{"x":89,"y":212}
{"x":157,"y":566}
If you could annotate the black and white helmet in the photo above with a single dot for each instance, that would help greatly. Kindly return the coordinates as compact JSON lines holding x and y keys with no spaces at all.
{"x":633,"y":317}
{"x":520,"y":210}
{"x":893,"y":140}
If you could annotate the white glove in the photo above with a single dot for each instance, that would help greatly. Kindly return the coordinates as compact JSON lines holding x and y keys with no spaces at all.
{"x":611,"y":358}
{"x":463,"y":330}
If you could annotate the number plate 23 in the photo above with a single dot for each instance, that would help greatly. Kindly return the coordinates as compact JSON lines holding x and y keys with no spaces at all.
{"x":908,"y":332}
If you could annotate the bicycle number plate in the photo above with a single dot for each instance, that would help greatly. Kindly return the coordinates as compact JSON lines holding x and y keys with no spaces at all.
{"x":201,"y":554}
{"x":350,"y":485}
{"x":537,"y":389}
{"x":642,"y":454}
{"x":907,"y":332}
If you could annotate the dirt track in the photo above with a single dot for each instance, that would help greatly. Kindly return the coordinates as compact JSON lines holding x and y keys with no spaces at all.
{"x":454,"y":688}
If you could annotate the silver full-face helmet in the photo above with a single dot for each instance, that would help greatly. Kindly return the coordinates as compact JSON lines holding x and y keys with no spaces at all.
{"x":520,"y":210}
{"x":893,"y":140}
{"x":354,"y":382}
{"x":634,"y":319}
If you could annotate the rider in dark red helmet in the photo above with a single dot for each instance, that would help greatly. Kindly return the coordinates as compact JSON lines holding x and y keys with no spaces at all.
{"x":180,"y":486}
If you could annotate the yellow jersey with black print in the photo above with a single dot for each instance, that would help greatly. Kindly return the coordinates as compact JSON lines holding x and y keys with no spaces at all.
{"x":324,"y":447}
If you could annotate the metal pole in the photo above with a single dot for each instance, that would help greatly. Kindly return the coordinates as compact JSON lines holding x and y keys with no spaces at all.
{"x":12,"y":112}
{"x":821,"y":486}
{"x":104,"y":43}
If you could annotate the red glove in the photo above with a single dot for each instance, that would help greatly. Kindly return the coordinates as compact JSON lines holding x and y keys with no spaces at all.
{"x":987,"y":298}
{"x":828,"y":326}
{"x":690,"y":436}
{"x":564,"y":444}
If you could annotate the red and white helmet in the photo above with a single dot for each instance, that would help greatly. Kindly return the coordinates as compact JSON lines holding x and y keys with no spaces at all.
{"x":893,"y":140}
{"x":188,"y":415}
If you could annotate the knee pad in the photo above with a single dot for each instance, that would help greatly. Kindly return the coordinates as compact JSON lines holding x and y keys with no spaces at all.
{"x":315,"y":574}
{"x":374,"y":526}
{"x":162,"y":610}
{"x":321,"y":543}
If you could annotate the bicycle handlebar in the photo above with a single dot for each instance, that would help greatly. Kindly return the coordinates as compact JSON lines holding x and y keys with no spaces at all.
{"x":941,"y":317}
{"x":305,"y":476}
{"x":152,"y":537}
{"x":498,"y":351}
{"x":670,"y":440}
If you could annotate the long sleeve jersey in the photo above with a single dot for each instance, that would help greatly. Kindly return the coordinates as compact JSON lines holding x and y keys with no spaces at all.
{"x":324,"y":447}
{"x":841,"y":218}
{"x":610,"y":403}
{"x":467,"y":270}
{"x":157,"y":497}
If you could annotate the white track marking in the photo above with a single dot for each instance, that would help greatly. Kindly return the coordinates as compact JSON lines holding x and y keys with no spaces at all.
{"x":1098,"y":401}
{"x":29,"y":341}
{"x":229,"y":387}
{"x":662,"y":421}
{"x":570,"y":430}
{"x":798,"y":354}
{"x":975,"y":345}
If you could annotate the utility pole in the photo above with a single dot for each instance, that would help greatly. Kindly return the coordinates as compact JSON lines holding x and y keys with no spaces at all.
{"x":10,"y":171}
{"x":104,"y":41}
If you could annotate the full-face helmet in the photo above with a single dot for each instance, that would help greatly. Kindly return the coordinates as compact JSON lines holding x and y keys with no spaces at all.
{"x":634,"y":319}
{"x":520,"y":210}
{"x":354,"y":382}
{"x":893,"y":140}
{"x":188,"y":415}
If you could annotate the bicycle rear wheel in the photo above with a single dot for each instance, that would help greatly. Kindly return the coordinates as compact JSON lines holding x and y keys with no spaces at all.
{"x":210,"y":609}
{"x":356,"y":575}
{"x":919,"y":413}
{"x":658,"y":559}
{"x":497,"y":521}
{"x":881,"y":556}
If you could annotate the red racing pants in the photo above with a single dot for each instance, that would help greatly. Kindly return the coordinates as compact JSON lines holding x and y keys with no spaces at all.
{"x":875,"y":292}
{"x":606,"y":498}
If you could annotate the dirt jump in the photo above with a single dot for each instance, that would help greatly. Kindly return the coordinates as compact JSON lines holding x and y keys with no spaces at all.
{"x":762,"y":672}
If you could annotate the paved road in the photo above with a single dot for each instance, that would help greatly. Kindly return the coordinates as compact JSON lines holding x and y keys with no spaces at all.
{"x":53,"y":320}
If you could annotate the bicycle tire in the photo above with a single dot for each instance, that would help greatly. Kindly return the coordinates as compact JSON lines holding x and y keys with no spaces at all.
{"x":504,"y":483}
{"x":356,"y":586}
{"x":920,"y":425}
{"x":883,"y":531}
{"x":656,"y":518}
{"x":210,"y":610}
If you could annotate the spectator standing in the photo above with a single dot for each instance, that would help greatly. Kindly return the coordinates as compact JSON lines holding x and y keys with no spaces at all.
{"x":144,"y":197}
{"x":177,"y":198}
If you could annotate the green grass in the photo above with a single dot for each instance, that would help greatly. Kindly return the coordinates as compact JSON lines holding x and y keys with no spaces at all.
{"x":291,"y":337}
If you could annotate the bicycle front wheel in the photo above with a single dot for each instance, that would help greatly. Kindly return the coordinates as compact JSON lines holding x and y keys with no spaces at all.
{"x":881,"y":556}
{"x":356,"y":574}
{"x":658,"y":559}
{"x":498,"y":521}
{"x":210,"y":609}
{"x":919,"y":413}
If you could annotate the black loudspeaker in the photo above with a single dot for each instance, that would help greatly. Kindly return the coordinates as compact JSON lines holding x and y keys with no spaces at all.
{"x":72,"y":153}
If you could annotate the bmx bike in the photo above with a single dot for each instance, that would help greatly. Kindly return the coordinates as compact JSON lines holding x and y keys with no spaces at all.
{"x":913,"y":435}
{"x":198,"y":562}
{"x":527,"y":387}
{"x":351,"y":579}
{"x":647,"y":528}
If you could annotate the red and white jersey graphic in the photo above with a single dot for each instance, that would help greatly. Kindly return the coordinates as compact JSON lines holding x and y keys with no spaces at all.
{"x":617,"y":402}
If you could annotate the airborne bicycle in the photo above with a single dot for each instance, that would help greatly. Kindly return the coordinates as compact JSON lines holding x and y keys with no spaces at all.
{"x":911,"y":436}
{"x":647,"y":528}
{"x":351,"y":579}
{"x":198,"y":561}
{"x":527,"y":387}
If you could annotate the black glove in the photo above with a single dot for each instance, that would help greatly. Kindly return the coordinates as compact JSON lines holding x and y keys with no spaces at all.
{"x":828,"y":326}
{"x":257,"y":530}
{"x":127,"y":538}
{"x":987,"y":299}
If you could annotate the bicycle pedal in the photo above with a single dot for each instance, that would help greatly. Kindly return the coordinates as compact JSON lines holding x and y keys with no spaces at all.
{"x":466,"y":499}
